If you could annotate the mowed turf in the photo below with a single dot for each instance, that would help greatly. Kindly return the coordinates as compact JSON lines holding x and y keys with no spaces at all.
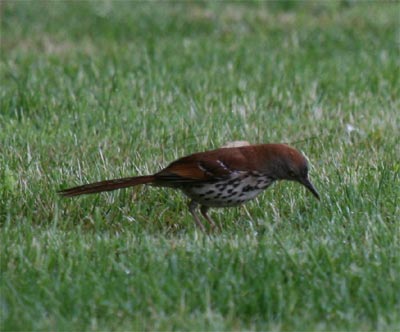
{"x":97,"y":90}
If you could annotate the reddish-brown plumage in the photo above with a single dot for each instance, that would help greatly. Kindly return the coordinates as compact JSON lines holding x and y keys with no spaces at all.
{"x":219,"y":178}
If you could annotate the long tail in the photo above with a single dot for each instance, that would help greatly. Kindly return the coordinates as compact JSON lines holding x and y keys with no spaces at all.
{"x":107,"y":185}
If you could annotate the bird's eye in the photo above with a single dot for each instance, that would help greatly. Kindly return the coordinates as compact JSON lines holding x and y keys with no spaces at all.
{"x":291,"y":174}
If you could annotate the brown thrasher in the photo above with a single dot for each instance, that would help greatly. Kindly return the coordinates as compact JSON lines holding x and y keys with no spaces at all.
{"x":219,"y":178}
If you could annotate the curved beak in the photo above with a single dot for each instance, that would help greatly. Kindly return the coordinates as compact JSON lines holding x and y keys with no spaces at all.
{"x":306,"y":183}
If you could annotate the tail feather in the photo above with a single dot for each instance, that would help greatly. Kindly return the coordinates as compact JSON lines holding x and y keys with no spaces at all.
{"x":107,"y":185}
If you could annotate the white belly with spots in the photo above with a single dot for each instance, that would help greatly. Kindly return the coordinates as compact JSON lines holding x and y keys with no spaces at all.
{"x":237,"y":189}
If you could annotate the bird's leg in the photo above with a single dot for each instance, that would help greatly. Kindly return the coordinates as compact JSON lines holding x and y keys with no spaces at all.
{"x":192,"y":209}
{"x":204,"y":210}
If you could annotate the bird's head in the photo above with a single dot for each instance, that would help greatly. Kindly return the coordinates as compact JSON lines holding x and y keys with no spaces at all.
{"x":290,"y":164}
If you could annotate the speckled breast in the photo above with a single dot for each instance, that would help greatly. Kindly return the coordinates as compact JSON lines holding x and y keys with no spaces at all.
{"x":236,"y":189}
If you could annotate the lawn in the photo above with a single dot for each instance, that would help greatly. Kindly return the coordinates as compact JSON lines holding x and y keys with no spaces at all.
{"x":100,"y":89}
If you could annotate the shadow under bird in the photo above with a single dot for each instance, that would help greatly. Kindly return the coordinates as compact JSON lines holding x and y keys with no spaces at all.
{"x":218,"y":178}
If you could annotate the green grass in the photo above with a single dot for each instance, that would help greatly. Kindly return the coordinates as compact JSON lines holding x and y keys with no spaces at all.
{"x":94,"y":90}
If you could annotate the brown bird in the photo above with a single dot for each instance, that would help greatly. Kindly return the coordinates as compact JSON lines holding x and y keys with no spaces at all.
{"x":219,"y":178}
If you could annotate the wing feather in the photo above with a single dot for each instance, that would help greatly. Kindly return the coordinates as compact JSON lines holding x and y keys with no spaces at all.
{"x":205,"y":167}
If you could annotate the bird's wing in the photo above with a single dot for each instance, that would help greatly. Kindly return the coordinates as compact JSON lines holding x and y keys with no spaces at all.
{"x":199,"y":168}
